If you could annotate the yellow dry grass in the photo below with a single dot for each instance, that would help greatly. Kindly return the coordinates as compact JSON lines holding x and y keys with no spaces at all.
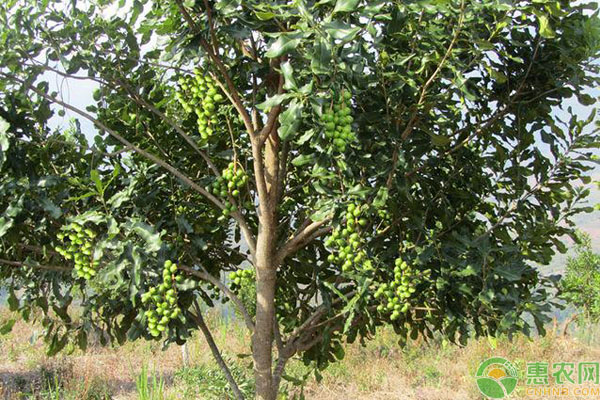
{"x":381,"y":370}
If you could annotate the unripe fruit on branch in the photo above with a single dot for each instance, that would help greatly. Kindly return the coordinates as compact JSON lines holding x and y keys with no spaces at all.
{"x":200,"y":94}
{"x":232,"y":179}
{"x":77,"y":245}
{"x":337,"y":121}
{"x":346,"y":241}
{"x":161,"y":300}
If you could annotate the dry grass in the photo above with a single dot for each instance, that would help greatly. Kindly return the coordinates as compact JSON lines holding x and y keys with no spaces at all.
{"x":381,"y":370}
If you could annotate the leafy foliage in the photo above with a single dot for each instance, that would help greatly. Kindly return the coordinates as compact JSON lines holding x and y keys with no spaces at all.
{"x":441,"y":121}
{"x":579,"y":286}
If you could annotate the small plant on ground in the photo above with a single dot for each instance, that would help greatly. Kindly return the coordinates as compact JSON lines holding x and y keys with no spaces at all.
{"x":149,"y":388}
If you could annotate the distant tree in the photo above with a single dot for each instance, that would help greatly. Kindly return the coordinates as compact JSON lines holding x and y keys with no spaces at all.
{"x":580,"y":286}
{"x":368,"y":163}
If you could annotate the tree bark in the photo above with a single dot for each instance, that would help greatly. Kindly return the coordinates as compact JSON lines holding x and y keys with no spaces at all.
{"x":265,"y":257}
{"x":262,"y":340}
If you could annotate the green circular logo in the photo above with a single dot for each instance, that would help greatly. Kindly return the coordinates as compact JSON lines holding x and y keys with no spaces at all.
{"x":496,"y":378}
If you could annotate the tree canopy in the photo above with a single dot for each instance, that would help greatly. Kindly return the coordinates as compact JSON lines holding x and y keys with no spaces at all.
{"x":366,"y":163}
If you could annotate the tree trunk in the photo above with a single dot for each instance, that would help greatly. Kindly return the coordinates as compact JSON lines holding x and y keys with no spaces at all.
{"x":569,"y":321}
{"x":262,"y":340}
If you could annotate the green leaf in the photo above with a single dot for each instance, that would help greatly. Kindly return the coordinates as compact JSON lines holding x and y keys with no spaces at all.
{"x":151,"y":237}
{"x":49,"y":206}
{"x":4,"y":126}
{"x":82,"y":340}
{"x":4,"y":143}
{"x":340,"y":30}
{"x":303,"y":159}
{"x":439,"y":140}
{"x":345,"y":6}
{"x":290,"y":120}
{"x":321,"y":58}
{"x":13,"y":302}
{"x":136,"y":11}
{"x":5,"y":225}
{"x":305,"y":137}
{"x":283,"y":45}
{"x":264,"y":15}
{"x":95,"y":177}
{"x":336,"y":291}
{"x":288,"y":75}
{"x":56,"y":344}
{"x":7,"y":326}
{"x":546,"y":30}
{"x":273,"y":101}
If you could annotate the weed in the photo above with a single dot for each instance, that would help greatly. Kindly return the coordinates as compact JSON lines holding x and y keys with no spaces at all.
{"x":149,"y":389}
{"x":209,"y":382}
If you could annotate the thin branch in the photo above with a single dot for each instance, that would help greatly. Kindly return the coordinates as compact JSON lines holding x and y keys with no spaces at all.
{"x":313,"y":318}
{"x":231,"y":89}
{"x":259,"y":174}
{"x":413,"y":119}
{"x":211,"y":26}
{"x":19,"y":264}
{"x":204,"y":275}
{"x":121,"y":139}
{"x":490,"y":121}
{"x":237,"y":216}
{"x":277,"y":335}
{"x":141,"y":101}
{"x":281,"y":182}
{"x":267,"y":130}
{"x":216,"y":353}
{"x":172,"y":124}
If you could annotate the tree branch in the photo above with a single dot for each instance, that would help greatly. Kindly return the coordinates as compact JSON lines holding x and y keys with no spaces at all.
{"x":231,"y":89}
{"x":303,"y":237}
{"x":413,"y":119}
{"x":204,"y":275}
{"x":216,"y":353}
{"x":19,"y":264}
{"x":236,"y":216}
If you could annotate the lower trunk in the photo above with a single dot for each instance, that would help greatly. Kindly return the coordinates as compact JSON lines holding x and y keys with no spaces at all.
{"x":262,"y":340}
{"x":568,"y":323}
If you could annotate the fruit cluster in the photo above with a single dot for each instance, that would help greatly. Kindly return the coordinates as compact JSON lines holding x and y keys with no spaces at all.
{"x":78,"y":244}
{"x":337,"y":122}
{"x":162,"y":300}
{"x":346,"y":241}
{"x":243,"y":284}
{"x":242,"y":278}
{"x":232,"y":179}
{"x":394,"y":296}
{"x":200,"y":94}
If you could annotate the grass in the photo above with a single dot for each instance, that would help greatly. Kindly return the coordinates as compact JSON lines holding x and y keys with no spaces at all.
{"x":432,"y":370}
